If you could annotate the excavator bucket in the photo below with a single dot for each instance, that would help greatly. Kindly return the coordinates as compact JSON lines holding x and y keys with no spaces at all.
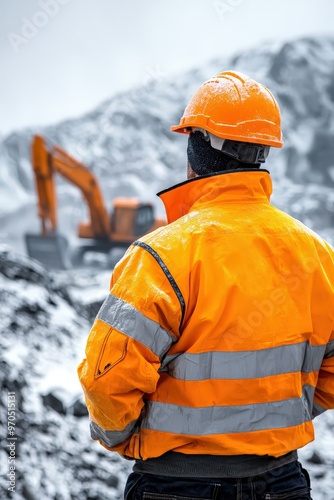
{"x":52,"y":251}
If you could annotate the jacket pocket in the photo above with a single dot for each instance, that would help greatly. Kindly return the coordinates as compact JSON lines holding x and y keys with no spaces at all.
{"x":132,"y":451}
{"x":113,"y":350}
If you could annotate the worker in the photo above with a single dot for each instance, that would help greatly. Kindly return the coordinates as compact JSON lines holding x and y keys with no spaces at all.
{"x":214,"y":349}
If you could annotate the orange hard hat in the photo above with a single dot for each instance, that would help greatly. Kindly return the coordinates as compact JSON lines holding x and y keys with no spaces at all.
{"x":234,"y":106}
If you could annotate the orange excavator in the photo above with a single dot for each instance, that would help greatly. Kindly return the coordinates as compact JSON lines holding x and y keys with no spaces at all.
{"x":129,"y":219}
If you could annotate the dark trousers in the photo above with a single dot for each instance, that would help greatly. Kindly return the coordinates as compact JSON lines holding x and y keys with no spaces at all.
{"x":287,"y":482}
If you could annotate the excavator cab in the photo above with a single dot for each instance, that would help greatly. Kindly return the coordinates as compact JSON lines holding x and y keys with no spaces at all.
{"x":144,"y":219}
{"x":130,"y":219}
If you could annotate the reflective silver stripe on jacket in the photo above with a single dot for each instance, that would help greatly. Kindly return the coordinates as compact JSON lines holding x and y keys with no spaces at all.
{"x":125,"y":318}
{"x":229,"y":419}
{"x":329,"y":353}
{"x":111,"y":438}
{"x":317,"y":410}
{"x":245,"y":364}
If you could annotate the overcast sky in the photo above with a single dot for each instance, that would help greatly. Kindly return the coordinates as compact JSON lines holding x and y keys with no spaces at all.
{"x":61,"y":58}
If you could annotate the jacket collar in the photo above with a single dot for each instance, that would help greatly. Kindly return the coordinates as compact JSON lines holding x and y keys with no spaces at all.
{"x":218,"y":188}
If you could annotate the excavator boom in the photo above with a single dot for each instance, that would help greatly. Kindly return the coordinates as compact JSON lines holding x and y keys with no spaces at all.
{"x":46,"y":161}
{"x":45,"y":186}
{"x":50,"y":247}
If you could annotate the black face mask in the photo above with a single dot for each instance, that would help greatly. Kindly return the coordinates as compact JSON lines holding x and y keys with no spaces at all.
{"x":204,"y":159}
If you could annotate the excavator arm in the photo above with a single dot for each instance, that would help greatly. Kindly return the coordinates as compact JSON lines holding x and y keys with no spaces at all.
{"x":130,"y":218}
{"x":45,"y":185}
{"x":48,"y":160}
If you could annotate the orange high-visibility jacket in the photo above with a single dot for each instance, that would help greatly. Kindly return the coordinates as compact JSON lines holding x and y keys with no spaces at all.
{"x":217,"y":336}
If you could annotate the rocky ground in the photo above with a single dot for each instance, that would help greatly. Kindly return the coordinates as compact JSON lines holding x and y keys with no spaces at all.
{"x":43,"y":331}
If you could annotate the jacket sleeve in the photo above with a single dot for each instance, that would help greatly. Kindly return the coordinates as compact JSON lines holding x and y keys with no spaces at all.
{"x":135,"y":327}
{"x":324,"y":393}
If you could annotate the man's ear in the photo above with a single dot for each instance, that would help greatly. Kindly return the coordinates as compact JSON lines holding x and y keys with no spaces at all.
{"x":190,"y":173}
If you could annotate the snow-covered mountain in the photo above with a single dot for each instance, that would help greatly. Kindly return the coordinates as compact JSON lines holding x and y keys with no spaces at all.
{"x":127,"y":142}
{"x":44,"y":322}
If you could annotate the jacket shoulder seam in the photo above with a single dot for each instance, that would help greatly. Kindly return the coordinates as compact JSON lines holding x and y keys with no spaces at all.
{"x":167,"y":273}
